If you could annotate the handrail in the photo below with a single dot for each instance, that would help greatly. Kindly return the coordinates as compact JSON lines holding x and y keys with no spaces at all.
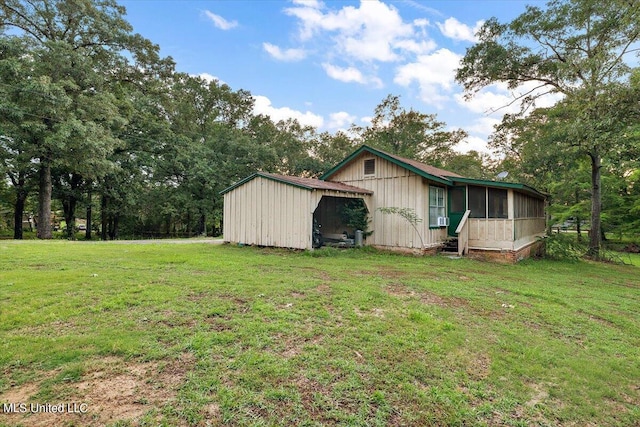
{"x":463,"y":221}
{"x":463,"y":234}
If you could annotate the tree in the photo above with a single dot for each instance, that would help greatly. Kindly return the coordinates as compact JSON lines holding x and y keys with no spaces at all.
{"x":579,"y":49}
{"x":76,"y":50}
{"x":410,"y":133}
{"x":15,"y":125}
{"x":470,"y":165}
{"x":331,"y":149}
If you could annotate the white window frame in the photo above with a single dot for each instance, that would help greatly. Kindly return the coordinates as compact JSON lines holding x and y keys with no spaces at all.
{"x":437,"y":205}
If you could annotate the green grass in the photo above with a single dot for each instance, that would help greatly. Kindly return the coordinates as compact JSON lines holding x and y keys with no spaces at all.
{"x":248,"y":336}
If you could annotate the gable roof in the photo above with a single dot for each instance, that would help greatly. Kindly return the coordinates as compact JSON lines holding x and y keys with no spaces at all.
{"x":426,"y":171}
{"x":305,"y":183}
{"x":430,"y":172}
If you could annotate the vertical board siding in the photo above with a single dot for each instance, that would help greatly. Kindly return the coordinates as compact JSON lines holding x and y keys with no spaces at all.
{"x":393,"y":186}
{"x":490,"y":233}
{"x":528,"y":230}
{"x":268,"y":213}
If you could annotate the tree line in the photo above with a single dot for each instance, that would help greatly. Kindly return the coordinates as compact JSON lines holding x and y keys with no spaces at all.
{"x":93,"y":118}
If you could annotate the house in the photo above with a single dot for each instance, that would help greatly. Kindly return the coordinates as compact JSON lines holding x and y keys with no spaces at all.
{"x":492,"y":219}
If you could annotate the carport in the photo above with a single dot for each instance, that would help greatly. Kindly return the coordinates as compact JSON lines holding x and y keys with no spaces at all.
{"x":266,"y":209}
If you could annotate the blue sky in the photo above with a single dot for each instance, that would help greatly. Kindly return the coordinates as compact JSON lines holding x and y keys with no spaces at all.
{"x":330,"y":63}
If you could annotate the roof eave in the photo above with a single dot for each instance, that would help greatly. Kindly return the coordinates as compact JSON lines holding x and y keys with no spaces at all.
{"x":499,"y":184}
{"x":266,"y":176}
{"x":388,"y":158}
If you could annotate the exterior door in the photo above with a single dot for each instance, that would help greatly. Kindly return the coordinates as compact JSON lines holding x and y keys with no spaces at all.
{"x":457,"y":207}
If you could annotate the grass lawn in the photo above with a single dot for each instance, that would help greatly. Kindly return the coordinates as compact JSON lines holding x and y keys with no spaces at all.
{"x":202,"y":334}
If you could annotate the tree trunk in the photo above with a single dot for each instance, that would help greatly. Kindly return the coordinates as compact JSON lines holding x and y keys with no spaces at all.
{"x":87,"y":234}
{"x":69,"y":203}
{"x":596,"y":207}
{"x":113,"y":227}
{"x":103,"y":214}
{"x":69,"y":206}
{"x":21,"y":197}
{"x":202,"y":228}
{"x":578,"y":230}
{"x":44,"y":202}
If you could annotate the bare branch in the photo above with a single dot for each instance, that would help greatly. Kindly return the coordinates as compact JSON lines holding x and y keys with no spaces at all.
{"x":23,"y":27}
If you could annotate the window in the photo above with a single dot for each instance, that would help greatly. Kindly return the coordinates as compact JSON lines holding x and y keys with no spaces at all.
{"x":370,"y":167}
{"x":436,"y":205}
{"x":498,"y":203}
{"x":457,"y":198}
{"x":477,"y":202}
{"x":528,"y":207}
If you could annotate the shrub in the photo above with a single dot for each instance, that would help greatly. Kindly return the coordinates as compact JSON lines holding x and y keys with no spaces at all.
{"x":563,"y":246}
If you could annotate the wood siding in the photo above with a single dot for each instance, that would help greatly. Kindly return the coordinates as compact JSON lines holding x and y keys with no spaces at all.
{"x":491,"y":233}
{"x":527,"y":230}
{"x":393,"y":186}
{"x":268,"y":213}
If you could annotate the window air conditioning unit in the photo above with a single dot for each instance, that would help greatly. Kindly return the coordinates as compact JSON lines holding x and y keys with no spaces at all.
{"x":443,"y":221}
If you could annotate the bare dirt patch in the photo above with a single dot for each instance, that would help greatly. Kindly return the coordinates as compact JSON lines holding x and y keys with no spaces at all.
{"x":323,"y":289}
{"x":403,"y":291}
{"x":479,"y":367}
{"x":110,"y":390}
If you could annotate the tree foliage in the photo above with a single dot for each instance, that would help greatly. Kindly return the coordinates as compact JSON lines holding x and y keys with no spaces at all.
{"x":579,"y":49}
{"x":410,"y":134}
{"x":76,"y":50}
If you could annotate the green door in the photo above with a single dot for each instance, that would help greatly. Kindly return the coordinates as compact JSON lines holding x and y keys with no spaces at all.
{"x":457,"y":207}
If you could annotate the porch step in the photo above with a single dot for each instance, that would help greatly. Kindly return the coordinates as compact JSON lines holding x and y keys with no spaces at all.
{"x":450,"y":245}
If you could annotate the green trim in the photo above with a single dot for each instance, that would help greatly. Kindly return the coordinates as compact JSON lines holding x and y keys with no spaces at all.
{"x":499,"y":184}
{"x":262,"y":175}
{"x":388,"y":158}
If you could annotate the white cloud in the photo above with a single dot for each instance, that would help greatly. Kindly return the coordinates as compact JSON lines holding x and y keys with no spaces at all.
{"x":210,"y":78}
{"x":498,"y":99}
{"x":263,"y":106}
{"x":473,"y":143}
{"x":366,"y":33}
{"x":421,"y":22}
{"x":340,"y":120}
{"x":219,"y":21}
{"x":422,"y":7}
{"x":488,"y":101}
{"x":433,"y":73}
{"x":456,"y":30}
{"x":483,"y":126}
{"x":416,"y":47}
{"x":367,"y":120}
{"x":315,"y":4}
{"x":288,"y":55}
{"x":350,"y":74}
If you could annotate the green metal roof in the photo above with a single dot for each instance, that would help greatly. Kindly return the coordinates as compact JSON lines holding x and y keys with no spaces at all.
{"x":431,"y":173}
{"x":405,"y":163}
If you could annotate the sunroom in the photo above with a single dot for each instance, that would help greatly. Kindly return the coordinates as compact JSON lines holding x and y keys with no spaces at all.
{"x":502,"y":217}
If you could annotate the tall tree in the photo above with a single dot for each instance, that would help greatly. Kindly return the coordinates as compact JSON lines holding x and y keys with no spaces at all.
{"x":77,"y":47}
{"x":409,"y":133}
{"x":331,"y":149}
{"x":16,"y":125}
{"x":579,"y":49}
